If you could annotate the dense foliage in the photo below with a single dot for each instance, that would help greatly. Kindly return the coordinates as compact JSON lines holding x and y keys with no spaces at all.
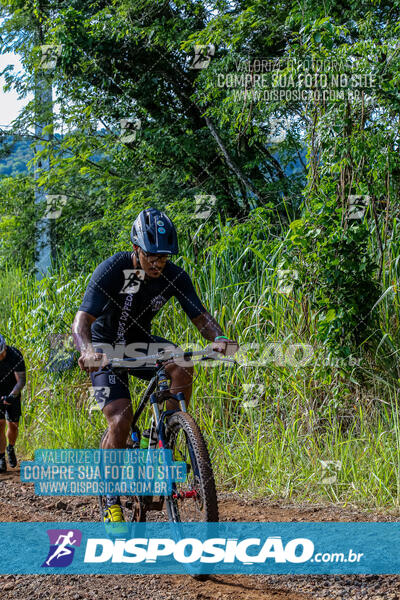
{"x":290,"y":130}
{"x":15,"y":156}
{"x":219,"y":131}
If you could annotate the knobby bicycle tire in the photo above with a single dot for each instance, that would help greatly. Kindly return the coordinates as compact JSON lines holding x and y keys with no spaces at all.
{"x":201,"y":472}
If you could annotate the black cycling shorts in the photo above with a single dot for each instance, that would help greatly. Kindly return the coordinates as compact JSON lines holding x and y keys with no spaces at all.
{"x":111,"y":384}
{"x":11,"y":412}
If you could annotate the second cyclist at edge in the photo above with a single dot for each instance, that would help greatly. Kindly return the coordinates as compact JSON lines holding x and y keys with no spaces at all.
{"x":125,"y":293}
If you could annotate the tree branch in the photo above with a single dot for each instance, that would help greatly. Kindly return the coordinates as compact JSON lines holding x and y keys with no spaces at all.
{"x":230,"y":162}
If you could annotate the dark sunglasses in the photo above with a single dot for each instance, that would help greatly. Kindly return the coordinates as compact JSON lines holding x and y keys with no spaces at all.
{"x":156,"y":257}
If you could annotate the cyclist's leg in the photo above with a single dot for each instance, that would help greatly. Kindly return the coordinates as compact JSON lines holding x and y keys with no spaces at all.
{"x":2,"y":435}
{"x":13,"y":414}
{"x":3,"y":464}
{"x":111,"y":390}
{"x":119,"y":417}
{"x":12,"y":432}
{"x":181,"y":381}
{"x":181,"y":375}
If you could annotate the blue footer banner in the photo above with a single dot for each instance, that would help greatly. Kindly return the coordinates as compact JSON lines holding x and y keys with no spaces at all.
{"x":200,"y":548}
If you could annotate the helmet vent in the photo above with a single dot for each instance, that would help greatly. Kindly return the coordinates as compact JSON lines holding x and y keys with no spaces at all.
{"x":154,"y":232}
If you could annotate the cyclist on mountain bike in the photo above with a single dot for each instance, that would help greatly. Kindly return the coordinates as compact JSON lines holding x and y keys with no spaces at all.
{"x":125,"y":293}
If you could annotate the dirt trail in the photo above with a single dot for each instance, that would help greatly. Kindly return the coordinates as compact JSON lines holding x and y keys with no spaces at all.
{"x":19,"y":503}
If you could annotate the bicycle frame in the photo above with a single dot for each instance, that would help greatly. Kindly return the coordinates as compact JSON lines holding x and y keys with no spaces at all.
{"x":156,"y":393}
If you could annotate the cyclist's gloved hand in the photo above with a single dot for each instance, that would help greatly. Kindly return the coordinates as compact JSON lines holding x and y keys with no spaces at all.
{"x":92,"y":361}
{"x":225,"y":346}
{"x":7,"y":400}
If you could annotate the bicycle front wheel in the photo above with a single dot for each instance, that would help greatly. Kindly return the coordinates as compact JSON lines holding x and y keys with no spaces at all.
{"x":195,"y":499}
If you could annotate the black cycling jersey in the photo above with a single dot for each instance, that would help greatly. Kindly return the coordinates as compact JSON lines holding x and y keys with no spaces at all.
{"x":125,"y":304}
{"x":13,"y":362}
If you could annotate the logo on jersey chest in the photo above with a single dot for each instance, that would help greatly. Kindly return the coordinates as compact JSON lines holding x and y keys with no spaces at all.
{"x":133,"y":279}
{"x":157,"y":302}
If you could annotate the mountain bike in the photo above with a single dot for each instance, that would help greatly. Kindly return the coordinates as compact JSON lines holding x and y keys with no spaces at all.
{"x":195,"y":499}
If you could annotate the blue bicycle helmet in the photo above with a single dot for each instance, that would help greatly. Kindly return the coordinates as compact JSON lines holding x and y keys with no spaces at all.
{"x":154,"y":232}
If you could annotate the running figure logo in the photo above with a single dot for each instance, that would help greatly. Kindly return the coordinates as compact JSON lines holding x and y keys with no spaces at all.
{"x":61,"y":552}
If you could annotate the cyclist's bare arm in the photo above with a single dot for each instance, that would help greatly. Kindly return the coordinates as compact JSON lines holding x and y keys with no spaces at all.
{"x":20,"y":376}
{"x":89,"y":359}
{"x":81,"y":330}
{"x":210,"y":329}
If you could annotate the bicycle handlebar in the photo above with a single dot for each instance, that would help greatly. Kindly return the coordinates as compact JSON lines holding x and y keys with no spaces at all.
{"x":162,"y":357}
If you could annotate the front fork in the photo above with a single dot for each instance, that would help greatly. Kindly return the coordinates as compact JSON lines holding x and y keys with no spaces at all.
{"x":158,"y":422}
{"x":158,"y":425}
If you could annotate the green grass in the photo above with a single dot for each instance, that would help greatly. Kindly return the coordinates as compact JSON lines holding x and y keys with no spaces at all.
{"x":315,"y":433}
